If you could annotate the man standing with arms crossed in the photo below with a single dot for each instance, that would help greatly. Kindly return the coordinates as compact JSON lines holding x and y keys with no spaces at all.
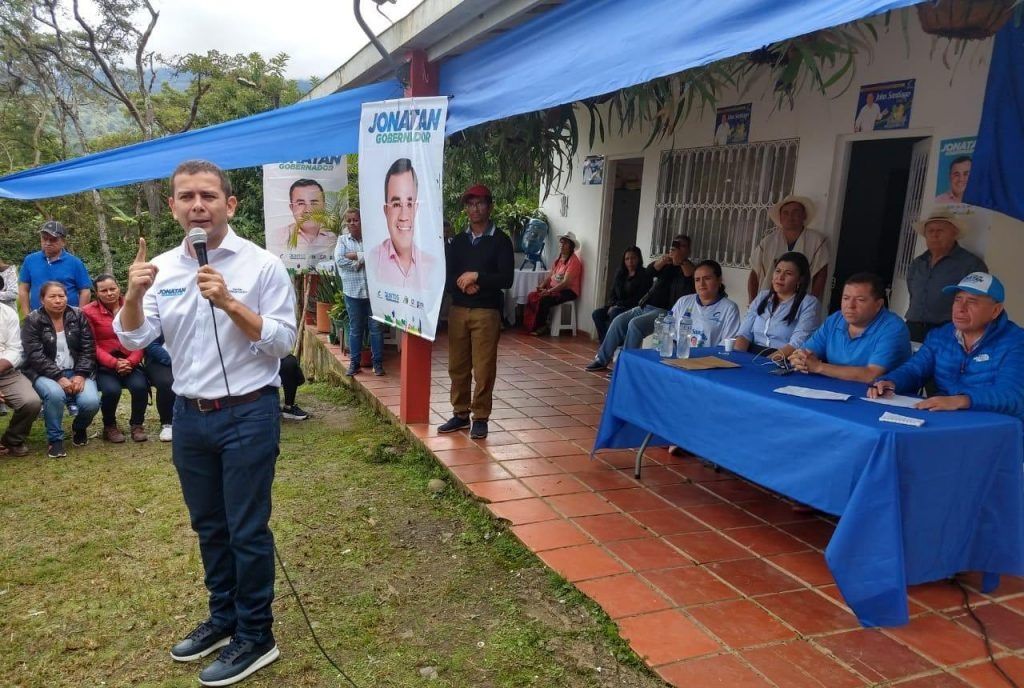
{"x":480,"y":264}
{"x":226,"y":417}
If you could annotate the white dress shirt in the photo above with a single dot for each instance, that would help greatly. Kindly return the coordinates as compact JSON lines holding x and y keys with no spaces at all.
{"x":10,"y":336}
{"x":174,"y":306}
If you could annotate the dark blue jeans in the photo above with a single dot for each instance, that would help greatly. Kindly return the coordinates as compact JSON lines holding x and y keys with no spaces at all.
{"x":225,"y":461}
{"x":358,"y":320}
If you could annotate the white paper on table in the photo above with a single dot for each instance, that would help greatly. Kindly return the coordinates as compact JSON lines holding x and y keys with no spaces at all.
{"x":811,"y":393}
{"x":901,"y":400}
{"x":889,"y":417}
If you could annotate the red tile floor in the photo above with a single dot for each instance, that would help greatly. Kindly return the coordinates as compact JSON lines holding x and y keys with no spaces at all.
{"x":712,"y":580}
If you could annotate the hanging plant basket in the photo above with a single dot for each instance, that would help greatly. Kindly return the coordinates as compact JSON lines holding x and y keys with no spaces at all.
{"x":965,"y":19}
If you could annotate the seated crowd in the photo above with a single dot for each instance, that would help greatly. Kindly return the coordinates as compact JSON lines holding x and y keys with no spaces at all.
{"x":971,"y":356}
{"x":65,"y":359}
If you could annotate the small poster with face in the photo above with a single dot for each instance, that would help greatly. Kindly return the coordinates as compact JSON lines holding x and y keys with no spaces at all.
{"x":884,"y":106}
{"x":954,"y":170}
{"x":401,"y":156}
{"x":732,"y":124}
{"x":593,"y":170}
{"x":297,"y":197}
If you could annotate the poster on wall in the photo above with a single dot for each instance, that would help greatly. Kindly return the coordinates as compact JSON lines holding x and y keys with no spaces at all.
{"x":593,"y":170}
{"x":954,"y":170}
{"x":884,"y":106}
{"x":732,"y":124}
{"x":401,"y":156}
{"x":297,"y":196}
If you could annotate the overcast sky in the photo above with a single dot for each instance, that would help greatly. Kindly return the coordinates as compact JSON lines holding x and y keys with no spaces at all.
{"x":318,"y":35}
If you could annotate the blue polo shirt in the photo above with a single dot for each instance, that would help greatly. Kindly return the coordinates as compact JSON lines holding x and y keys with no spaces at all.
{"x":885,"y":342}
{"x":65,"y":268}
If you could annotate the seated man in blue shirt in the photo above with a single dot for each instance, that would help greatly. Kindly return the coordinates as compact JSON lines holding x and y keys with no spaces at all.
{"x":861,"y":341}
{"x":977,"y":360}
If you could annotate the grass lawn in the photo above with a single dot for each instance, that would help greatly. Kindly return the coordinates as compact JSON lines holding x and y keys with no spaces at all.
{"x":100,"y":572}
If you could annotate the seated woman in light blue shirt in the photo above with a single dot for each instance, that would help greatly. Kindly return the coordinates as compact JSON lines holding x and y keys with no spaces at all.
{"x":780,"y":319}
{"x":713,"y":316}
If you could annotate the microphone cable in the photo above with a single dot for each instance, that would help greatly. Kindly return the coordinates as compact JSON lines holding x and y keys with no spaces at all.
{"x":277,"y":553}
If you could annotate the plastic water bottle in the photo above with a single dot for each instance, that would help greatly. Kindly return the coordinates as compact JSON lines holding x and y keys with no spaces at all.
{"x":72,"y":408}
{"x":659,"y":324}
{"x":684,"y":331}
{"x":666,"y":347}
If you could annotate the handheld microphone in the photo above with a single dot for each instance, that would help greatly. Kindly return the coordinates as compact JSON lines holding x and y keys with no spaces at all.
{"x":197,"y":237}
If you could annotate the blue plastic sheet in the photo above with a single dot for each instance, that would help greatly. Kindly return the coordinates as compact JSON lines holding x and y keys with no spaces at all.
{"x":997,"y":175}
{"x":916,"y":504}
{"x":580,"y":49}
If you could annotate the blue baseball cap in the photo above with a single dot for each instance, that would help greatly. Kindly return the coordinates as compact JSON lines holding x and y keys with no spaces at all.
{"x":981,"y":283}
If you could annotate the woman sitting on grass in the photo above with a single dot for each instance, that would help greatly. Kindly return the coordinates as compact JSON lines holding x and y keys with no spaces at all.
{"x":60,"y":360}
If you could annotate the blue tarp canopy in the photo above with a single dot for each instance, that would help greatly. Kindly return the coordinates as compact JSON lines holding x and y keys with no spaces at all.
{"x":997,"y":173}
{"x":580,"y":49}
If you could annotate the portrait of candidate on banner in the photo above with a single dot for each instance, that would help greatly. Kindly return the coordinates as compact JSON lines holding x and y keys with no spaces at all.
{"x":955,"y":160}
{"x":401,"y":152}
{"x":297,"y":197}
{"x":884,"y":106}
{"x":732,"y":124}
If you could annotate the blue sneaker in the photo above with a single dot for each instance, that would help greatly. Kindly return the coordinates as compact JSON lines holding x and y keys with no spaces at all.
{"x":204,"y":639}
{"x":239,"y":660}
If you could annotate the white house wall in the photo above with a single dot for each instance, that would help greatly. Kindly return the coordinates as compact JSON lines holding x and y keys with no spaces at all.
{"x":947,"y":104}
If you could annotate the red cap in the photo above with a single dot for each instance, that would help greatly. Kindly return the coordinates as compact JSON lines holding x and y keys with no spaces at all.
{"x":477,"y":190}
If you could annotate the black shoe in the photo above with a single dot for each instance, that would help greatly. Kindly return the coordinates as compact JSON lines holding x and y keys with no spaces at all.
{"x":204,"y":639}
{"x":596,"y":365}
{"x":294,"y":412}
{"x":80,"y":438}
{"x":454,"y":423}
{"x":378,"y":369}
{"x":479,"y":430}
{"x":56,"y":450}
{"x":353,"y":370}
{"x":238,"y":661}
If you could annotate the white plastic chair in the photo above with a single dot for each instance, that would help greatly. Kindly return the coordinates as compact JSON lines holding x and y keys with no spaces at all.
{"x":556,"y":318}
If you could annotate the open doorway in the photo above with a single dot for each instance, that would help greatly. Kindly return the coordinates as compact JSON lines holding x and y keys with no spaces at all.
{"x":882,"y":198}
{"x":626,"y":175}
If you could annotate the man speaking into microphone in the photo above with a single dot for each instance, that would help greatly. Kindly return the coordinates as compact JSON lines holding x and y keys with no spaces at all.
{"x":225,"y":360}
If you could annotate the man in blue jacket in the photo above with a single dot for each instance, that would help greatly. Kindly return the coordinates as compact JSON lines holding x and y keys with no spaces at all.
{"x":977,"y":360}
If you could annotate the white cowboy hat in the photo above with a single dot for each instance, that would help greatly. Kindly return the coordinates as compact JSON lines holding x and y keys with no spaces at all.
{"x":941,"y":214}
{"x":571,"y":237}
{"x":807,"y":203}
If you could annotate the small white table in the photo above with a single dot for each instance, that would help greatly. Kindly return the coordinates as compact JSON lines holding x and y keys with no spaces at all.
{"x":523,"y":283}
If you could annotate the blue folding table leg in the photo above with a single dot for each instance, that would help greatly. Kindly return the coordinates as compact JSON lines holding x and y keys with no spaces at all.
{"x":640,"y":454}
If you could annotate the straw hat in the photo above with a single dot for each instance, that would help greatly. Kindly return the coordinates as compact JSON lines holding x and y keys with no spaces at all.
{"x":807,"y":203}
{"x":571,"y":237}
{"x":941,"y":214}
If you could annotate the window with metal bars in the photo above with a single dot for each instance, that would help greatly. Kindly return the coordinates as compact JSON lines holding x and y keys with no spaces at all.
{"x":719,"y":196}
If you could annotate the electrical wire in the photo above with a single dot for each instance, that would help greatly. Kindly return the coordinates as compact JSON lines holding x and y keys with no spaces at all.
{"x":277,"y":553}
{"x":984,"y":634}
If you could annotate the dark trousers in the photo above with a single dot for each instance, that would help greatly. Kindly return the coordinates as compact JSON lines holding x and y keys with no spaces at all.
{"x":291,"y":378}
{"x":18,"y":394}
{"x":359,"y":321}
{"x":919,"y":330}
{"x":162,"y":379}
{"x":603,"y":317}
{"x":225,"y":461}
{"x":111,"y":384}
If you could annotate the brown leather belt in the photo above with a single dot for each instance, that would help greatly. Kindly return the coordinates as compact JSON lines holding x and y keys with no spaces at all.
{"x":207,"y":405}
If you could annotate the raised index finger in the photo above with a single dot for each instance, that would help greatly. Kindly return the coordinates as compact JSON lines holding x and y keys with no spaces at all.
{"x":140,"y":257}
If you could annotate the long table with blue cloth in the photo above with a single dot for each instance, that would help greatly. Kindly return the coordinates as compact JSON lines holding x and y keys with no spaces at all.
{"x":916,"y":504}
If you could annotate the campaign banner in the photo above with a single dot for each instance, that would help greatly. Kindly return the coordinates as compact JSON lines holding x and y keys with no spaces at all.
{"x":401,"y":156}
{"x":955,"y":159}
{"x":297,"y":197}
{"x":884,"y":106}
{"x":732,"y":124}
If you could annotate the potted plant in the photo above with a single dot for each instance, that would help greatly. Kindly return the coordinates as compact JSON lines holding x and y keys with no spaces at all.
{"x":965,"y":19}
{"x":327,"y":289}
